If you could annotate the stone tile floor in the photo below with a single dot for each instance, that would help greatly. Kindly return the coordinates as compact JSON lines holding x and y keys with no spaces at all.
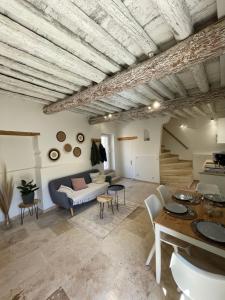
{"x":41,"y":256}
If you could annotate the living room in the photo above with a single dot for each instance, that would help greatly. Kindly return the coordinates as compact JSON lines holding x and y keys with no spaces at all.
{"x":112,"y":126}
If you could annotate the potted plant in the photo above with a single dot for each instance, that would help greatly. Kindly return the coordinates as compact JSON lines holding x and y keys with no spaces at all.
{"x":6,"y":193}
{"x":27,"y":190}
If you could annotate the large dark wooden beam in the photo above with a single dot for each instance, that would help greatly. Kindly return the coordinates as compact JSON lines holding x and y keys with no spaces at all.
{"x":175,"y":104}
{"x":204,"y":45}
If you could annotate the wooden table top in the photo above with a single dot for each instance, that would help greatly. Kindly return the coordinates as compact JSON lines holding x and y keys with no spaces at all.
{"x":104,"y":198}
{"x":22,"y":205}
{"x":184,"y":226}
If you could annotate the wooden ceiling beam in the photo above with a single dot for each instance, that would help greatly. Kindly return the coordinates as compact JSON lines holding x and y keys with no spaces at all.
{"x":199,"y":111}
{"x":23,"y":91}
{"x":68,"y":14}
{"x":16,"y":69}
{"x":21,"y":82}
{"x":167,"y":106}
{"x":51,"y":30}
{"x":120,"y":13}
{"x":176,"y":83}
{"x":104,"y":106}
{"x":19,"y":95}
{"x":115,"y":101}
{"x":149,"y":92}
{"x":221,"y":14}
{"x":206,"y":44}
{"x":67,"y":78}
{"x":95,"y":110}
{"x":160,"y":88}
{"x":177,"y":16}
{"x":135,"y":96}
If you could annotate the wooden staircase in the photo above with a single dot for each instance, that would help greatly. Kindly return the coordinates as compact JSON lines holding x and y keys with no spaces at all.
{"x":174,"y":171}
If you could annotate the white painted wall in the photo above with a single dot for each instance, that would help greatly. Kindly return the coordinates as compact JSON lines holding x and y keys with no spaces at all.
{"x":199,"y":136}
{"x":143,"y":154}
{"x":27,"y":157}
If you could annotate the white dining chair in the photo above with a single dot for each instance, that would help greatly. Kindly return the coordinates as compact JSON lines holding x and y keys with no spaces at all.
{"x":154,"y":206}
{"x":195,"y":283}
{"x":206,"y":188}
{"x":164,"y":193}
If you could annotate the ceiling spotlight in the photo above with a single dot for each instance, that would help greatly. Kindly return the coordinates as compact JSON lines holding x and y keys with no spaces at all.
{"x":212,"y":119}
{"x":105,"y":117}
{"x":156,"y":104}
{"x":110,"y":115}
{"x":149,"y":107}
{"x":183,"y":126}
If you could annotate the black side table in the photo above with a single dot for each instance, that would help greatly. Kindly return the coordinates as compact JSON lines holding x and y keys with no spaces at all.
{"x":32,"y":207}
{"x":116,"y":188}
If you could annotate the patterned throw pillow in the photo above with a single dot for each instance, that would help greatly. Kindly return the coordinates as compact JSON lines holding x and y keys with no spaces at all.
{"x":78,"y":184}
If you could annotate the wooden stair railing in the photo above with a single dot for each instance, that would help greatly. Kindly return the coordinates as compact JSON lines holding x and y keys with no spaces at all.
{"x":178,"y":140}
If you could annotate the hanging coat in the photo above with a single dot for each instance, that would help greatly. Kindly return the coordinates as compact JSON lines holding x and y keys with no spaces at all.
{"x":95,"y":156}
{"x":102,"y":153}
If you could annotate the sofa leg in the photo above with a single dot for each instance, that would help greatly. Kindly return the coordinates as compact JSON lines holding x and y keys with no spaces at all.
{"x":71,"y":211}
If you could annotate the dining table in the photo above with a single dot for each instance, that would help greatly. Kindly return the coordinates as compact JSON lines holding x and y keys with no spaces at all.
{"x":182,"y":229}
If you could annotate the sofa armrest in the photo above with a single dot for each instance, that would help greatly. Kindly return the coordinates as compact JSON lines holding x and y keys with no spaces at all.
{"x":108,"y":179}
{"x":62,"y":200}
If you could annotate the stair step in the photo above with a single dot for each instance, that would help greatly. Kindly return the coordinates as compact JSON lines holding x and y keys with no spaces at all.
{"x":177,"y":178}
{"x":174,"y":158}
{"x":180,"y":171}
{"x":165,"y":150}
{"x":166,"y":155}
{"x":180,"y":164}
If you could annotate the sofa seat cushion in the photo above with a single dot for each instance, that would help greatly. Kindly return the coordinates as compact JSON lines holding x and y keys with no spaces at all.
{"x":89,"y":193}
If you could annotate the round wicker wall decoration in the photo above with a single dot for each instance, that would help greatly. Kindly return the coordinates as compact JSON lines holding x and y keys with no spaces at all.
{"x":54,"y":154}
{"x":61,"y":136}
{"x":76,"y":151}
{"x":80,"y":137}
{"x":67,"y":147}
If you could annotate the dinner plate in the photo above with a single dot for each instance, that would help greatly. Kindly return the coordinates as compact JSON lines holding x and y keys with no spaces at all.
{"x":183,"y":197}
{"x":215,"y":198}
{"x":212,"y":230}
{"x":176,"y":208}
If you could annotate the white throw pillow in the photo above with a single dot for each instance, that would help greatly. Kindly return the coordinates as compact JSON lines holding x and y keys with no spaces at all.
{"x":67,"y":190}
{"x":94,"y":176}
{"x":100,"y":179}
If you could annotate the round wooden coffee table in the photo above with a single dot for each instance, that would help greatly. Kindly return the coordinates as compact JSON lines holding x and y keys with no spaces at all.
{"x":102,"y":199}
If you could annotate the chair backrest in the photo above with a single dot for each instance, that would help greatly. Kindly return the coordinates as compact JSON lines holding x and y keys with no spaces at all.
{"x":154,"y":206}
{"x":164,"y":193}
{"x":206,"y":188}
{"x":196,"y":283}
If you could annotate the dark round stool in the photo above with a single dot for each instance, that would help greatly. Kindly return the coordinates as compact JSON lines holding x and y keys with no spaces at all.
{"x":116,"y":188}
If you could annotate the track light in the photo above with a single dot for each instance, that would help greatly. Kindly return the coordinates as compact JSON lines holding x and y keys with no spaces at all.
{"x":156,"y":104}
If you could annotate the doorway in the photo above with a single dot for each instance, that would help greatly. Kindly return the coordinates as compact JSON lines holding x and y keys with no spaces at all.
{"x":106,"y":140}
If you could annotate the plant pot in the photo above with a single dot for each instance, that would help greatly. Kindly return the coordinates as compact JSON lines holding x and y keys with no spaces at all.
{"x":28,"y":199}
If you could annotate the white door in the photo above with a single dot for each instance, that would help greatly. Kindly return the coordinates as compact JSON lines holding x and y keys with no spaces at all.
{"x":126,"y":155}
{"x":106,"y":143}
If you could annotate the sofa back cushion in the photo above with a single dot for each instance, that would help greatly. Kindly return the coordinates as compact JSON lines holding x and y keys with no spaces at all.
{"x":78,"y":184}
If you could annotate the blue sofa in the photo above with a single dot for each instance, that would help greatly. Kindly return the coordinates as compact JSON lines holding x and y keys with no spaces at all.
{"x":60,"y":198}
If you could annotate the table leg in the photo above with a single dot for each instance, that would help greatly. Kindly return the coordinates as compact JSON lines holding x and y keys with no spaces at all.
{"x":112,"y":206}
{"x":36,"y":210}
{"x":158,"y":253}
{"x":21,"y":216}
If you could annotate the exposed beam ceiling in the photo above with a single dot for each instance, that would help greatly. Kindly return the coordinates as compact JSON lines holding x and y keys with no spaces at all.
{"x":175,"y":105}
{"x":206,"y":44}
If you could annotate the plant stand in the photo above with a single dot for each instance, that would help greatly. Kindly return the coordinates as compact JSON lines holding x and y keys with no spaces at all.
{"x":32,"y":208}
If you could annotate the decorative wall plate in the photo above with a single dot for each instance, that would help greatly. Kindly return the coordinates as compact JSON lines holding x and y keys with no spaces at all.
{"x":61,"y":136}
{"x":76,"y":151}
{"x":54,"y":154}
{"x":80,"y":137}
{"x":67,"y":147}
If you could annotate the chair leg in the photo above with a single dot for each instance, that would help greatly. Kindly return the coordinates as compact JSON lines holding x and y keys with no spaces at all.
{"x":151,"y":253}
